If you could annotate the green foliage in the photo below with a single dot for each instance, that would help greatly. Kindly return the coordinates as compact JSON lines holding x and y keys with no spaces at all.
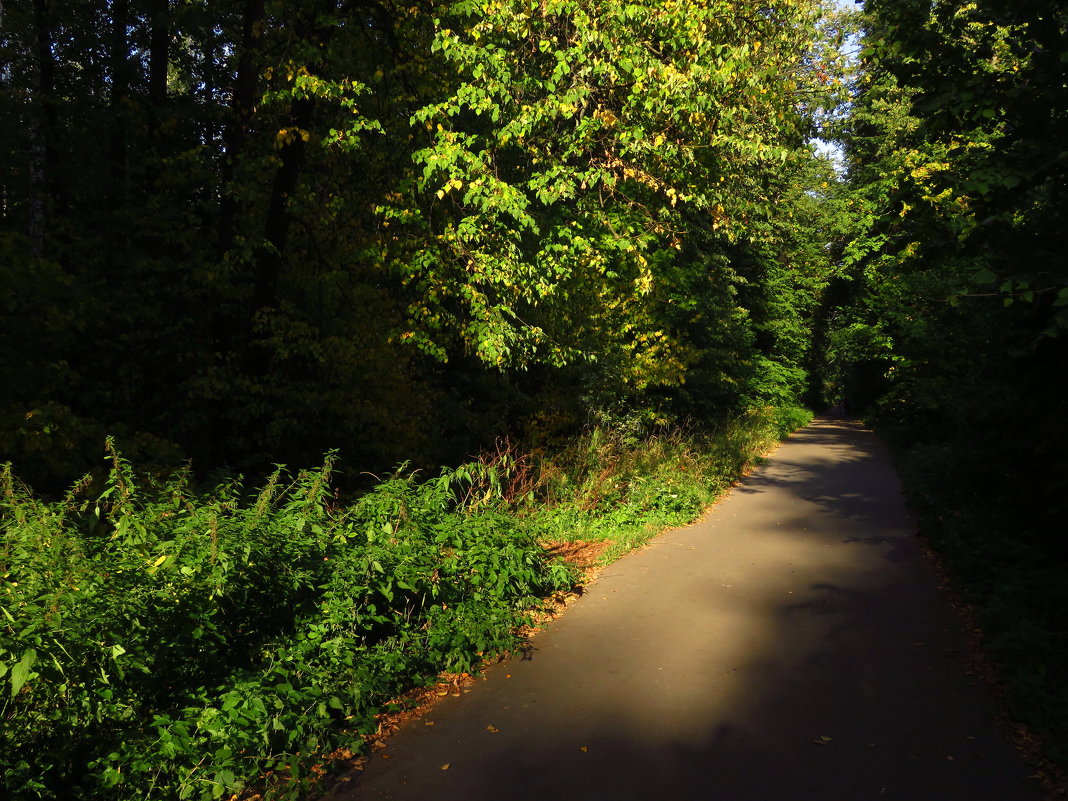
{"x":580,"y":157}
{"x":159,"y":642}
{"x":946,"y":323}
{"x":622,"y":481}
{"x":280,"y":229}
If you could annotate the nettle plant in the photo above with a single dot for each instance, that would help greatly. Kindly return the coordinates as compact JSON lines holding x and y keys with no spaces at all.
{"x":161,"y":641}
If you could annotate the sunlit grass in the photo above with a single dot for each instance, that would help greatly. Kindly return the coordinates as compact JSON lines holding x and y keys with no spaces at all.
{"x":622,"y":485}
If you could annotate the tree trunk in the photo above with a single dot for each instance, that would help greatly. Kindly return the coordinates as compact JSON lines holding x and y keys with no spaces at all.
{"x":44,"y":190}
{"x":242,"y":110}
{"x":277,"y":224}
{"x":159,"y":46}
{"x":158,"y":63}
{"x":270,"y":256}
{"x":120,"y":89}
{"x":227,"y":325}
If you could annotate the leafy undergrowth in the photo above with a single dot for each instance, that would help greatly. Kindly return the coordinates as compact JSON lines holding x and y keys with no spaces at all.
{"x":619,"y":485}
{"x":164,"y":643}
{"x":160,"y":641}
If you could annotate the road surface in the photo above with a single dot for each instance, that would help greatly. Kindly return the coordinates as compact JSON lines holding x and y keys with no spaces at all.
{"x":792,"y":646}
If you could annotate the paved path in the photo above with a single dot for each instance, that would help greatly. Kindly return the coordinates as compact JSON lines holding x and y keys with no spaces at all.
{"x":793,"y":646}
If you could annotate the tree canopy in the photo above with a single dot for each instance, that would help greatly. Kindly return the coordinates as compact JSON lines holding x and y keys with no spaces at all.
{"x":241,"y":233}
{"x":250,"y":232}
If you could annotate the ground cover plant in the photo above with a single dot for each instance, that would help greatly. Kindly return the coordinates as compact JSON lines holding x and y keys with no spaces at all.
{"x":164,"y":641}
{"x":622,"y":484}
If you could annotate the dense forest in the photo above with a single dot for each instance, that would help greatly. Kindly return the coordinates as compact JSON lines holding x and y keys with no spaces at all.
{"x":950,"y":314}
{"x":578,"y":253}
{"x":245,"y":233}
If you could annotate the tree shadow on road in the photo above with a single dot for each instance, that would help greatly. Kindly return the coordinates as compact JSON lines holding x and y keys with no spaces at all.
{"x":817,"y":660}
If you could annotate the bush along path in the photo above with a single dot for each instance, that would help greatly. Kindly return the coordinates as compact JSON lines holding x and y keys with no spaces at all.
{"x":793,"y":645}
{"x":161,"y":641}
{"x":165,"y":643}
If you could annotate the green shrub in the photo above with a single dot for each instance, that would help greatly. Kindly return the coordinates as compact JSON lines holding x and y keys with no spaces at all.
{"x":162,"y":642}
{"x":159,"y":642}
{"x":1000,"y":561}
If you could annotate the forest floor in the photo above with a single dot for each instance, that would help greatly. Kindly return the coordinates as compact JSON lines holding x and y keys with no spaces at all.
{"x":794,"y":644}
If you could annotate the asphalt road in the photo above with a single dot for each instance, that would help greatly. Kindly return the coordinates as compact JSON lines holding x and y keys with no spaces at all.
{"x":792,"y":646}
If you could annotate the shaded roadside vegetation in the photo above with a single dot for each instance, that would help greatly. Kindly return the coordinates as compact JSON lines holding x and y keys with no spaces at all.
{"x":948,"y":323}
{"x":178,"y":643}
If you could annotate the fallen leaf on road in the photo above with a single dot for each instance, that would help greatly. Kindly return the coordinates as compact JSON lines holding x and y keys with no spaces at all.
{"x":584,"y":749}
{"x":446,"y":766}
{"x":822,"y":740}
{"x":492,"y":728}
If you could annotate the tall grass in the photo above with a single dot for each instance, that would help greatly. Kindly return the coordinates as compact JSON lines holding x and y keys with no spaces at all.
{"x":623,"y":484}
